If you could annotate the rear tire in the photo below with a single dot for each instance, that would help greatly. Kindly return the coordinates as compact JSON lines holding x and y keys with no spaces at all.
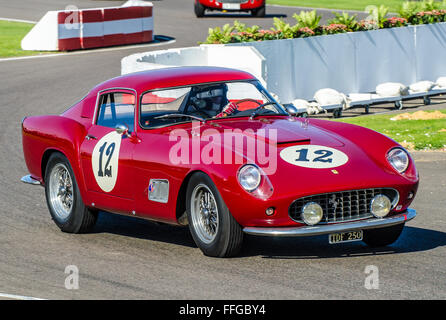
{"x":199,"y":9}
{"x":64,"y":199}
{"x":259,"y":12}
{"x":212,"y":226}
{"x":383,"y":236}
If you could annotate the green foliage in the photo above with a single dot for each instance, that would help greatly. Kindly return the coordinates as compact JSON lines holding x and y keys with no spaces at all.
{"x":307,"y":19}
{"x":219,"y":35}
{"x":308,"y":23}
{"x":429,"y":5}
{"x":408,"y":9}
{"x":284,"y":29}
{"x":379,"y":14}
{"x":345,"y":19}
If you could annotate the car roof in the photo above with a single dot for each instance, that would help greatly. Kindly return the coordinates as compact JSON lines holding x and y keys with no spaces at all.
{"x":172,"y":77}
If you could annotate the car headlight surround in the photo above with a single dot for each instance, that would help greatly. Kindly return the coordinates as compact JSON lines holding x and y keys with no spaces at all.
{"x":398,"y":159}
{"x":249,"y":177}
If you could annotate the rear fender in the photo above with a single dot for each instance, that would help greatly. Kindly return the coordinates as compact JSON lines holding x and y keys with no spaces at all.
{"x":43,"y":135}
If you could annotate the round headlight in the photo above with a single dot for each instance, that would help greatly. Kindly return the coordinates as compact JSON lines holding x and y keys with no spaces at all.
{"x":312,"y":213}
{"x":399,"y":159}
{"x":249,"y":177}
{"x":380,"y":206}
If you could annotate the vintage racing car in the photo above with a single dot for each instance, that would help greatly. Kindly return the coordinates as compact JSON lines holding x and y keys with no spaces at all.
{"x":256,"y":7}
{"x":210,"y":148}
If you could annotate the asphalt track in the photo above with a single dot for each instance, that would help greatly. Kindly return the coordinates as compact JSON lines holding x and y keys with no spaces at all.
{"x":126,"y":258}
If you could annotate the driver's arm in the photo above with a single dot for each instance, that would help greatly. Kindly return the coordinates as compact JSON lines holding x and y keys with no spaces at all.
{"x":229,"y":109}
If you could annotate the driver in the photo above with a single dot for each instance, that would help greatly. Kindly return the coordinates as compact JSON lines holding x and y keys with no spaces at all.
{"x":213,"y":102}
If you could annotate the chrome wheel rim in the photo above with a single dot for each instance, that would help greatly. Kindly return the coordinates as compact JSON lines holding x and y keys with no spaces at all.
{"x":61,"y":191}
{"x":204,"y":213}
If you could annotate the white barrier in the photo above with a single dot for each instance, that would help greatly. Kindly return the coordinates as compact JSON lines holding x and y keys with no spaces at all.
{"x":92,"y":28}
{"x":349,"y":63}
{"x":247,"y":59}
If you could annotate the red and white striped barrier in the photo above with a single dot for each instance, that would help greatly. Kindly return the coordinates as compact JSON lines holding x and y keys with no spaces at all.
{"x":91,"y":28}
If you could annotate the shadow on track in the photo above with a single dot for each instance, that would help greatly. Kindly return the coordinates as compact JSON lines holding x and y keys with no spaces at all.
{"x":142,"y":229}
{"x":411,"y":240}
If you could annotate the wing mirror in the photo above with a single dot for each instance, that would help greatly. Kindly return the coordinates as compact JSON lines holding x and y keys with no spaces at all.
{"x":291,"y":109}
{"x":122,"y":130}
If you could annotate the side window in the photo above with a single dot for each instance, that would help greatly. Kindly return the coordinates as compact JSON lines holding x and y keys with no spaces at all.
{"x":116,"y":108}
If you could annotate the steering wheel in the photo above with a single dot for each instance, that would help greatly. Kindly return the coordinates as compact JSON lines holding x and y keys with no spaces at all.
{"x":260,"y":107}
{"x":197,"y":108}
{"x":236,"y":103}
{"x":246,"y":100}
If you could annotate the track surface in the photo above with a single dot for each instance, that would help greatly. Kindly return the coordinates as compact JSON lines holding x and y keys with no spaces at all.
{"x":126,"y":258}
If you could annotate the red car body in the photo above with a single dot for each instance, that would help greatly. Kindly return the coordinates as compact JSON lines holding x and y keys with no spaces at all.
{"x":145,"y":155}
{"x":257,"y":7}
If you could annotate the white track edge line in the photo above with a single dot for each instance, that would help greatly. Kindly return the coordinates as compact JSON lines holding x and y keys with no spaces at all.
{"x":17,"y":297}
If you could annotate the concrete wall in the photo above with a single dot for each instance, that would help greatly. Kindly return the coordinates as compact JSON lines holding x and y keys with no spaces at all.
{"x":350,"y":63}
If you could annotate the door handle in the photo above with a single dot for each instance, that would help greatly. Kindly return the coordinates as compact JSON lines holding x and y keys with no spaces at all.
{"x":90,"y":137}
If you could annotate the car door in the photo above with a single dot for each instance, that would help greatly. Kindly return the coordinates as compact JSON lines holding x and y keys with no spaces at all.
{"x":106,"y":155}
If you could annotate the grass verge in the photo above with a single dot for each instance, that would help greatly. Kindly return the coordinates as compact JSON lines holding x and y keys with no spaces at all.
{"x":412,"y":134}
{"x":358,"y":5}
{"x":11,"y":34}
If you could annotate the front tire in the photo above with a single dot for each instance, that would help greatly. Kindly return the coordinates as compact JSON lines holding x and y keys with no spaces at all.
{"x":259,"y":12}
{"x":212,"y":226}
{"x":63,"y":197}
{"x":199,"y":9}
{"x":383,"y":236}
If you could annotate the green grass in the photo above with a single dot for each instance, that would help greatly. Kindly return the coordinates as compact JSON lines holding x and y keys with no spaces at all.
{"x":358,"y":5}
{"x":413,"y":134}
{"x":11,"y":34}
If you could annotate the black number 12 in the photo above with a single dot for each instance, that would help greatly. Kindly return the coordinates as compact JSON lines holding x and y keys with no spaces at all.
{"x":324,"y":154}
{"x":107,"y":172}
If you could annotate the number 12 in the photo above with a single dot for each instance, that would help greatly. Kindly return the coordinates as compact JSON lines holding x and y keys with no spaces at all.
{"x":324,"y":156}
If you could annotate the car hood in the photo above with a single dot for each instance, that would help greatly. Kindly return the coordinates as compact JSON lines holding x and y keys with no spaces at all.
{"x":356,"y":164}
{"x":280,"y":130}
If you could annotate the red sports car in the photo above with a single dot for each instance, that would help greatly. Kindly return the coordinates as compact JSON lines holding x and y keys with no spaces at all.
{"x":210,"y":148}
{"x":256,"y":7}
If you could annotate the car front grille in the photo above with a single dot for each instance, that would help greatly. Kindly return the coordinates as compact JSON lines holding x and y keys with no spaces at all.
{"x":344,"y":205}
{"x":233,"y":1}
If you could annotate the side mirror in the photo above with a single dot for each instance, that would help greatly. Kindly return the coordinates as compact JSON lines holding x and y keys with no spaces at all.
{"x":291,"y":109}
{"x":122,"y":130}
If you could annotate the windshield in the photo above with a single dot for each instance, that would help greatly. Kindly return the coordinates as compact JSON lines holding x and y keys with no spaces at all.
{"x":207,"y":102}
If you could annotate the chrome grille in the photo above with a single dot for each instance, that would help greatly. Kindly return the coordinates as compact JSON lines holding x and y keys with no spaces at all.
{"x":233,"y":1}
{"x":344,"y":205}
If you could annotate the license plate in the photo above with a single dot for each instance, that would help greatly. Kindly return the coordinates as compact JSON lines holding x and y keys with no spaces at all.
{"x":231,"y":6}
{"x":345,"y":237}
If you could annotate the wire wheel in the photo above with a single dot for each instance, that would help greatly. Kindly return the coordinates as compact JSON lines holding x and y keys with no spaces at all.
{"x":61,"y":191}
{"x":204,"y":213}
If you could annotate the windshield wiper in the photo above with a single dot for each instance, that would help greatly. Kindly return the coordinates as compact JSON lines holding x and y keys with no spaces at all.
{"x":180,"y":115}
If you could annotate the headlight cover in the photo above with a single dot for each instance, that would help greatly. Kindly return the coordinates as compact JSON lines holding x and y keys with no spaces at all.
{"x":399,"y":159}
{"x":249,"y":177}
{"x":380,"y":206}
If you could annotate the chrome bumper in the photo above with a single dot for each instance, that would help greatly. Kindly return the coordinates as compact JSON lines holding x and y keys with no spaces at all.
{"x":30,"y":180}
{"x":332,"y":228}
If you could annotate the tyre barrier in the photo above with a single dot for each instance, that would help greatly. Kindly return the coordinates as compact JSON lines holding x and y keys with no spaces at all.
{"x":91,"y":28}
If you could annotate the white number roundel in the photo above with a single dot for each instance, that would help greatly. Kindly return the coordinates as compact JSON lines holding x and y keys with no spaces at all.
{"x":314,"y":156}
{"x":105,"y":160}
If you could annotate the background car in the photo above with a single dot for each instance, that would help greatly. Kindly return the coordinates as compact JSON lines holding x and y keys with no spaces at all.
{"x":256,"y":7}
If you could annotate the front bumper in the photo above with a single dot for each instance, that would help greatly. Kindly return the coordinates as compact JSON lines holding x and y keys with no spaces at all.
{"x":305,"y":231}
